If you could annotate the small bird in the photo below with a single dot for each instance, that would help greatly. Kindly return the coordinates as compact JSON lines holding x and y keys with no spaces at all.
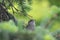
{"x":31,"y":25}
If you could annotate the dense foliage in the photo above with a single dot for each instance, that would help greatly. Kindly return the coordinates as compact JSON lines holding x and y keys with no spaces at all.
{"x":46,"y":28}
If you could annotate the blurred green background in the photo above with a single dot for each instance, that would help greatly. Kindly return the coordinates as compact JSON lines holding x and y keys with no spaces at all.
{"x":46,"y":14}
